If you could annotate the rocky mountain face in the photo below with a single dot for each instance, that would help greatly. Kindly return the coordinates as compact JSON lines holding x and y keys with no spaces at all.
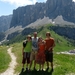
{"x":5,"y":23}
{"x":2,"y":35}
{"x":52,"y":8}
{"x":68,"y":32}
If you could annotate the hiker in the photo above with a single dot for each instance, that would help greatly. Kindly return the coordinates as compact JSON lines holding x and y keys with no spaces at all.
{"x":40,"y":58}
{"x":34,"y":50}
{"x":27,"y":47}
{"x":49,"y":50}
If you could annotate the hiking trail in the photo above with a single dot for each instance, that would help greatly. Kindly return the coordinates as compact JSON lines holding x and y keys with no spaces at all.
{"x":13,"y":63}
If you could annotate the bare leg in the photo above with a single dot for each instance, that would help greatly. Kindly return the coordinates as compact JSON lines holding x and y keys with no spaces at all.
{"x":47,"y":64}
{"x":34,"y":64}
{"x":39,"y":66}
{"x":42,"y":66}
{"x":51,"y":66}
{"x":23,"y":66}
{"x":27,"y":65}
{"x":30,"y":64}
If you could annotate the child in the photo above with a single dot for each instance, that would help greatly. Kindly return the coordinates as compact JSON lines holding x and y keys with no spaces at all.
{"x":40,"y":58}
{"x":26,"y":52}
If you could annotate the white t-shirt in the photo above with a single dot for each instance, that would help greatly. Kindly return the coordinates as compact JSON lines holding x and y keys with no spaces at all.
{"x":34,"y":43}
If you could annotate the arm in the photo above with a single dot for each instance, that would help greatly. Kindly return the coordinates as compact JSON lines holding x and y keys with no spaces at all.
{"x":51,"y":48}
{"x":22,"y":50}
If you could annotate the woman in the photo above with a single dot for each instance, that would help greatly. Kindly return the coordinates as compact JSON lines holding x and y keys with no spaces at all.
{"x":27,"y":47}
{"x":40,"y":58}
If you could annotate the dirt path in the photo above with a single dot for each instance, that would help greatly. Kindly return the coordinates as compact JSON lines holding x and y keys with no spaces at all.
{"x":13,"y":63}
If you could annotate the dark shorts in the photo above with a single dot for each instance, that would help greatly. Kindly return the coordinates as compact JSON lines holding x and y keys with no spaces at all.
{"x":49,"y":56}
{"x":26,"y":57}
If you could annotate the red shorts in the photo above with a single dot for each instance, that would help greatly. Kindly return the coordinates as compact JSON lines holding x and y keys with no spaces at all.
{"x":26,"y":57}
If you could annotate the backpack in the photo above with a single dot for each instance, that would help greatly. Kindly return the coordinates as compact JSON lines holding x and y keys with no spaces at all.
{"x":25,"y":43}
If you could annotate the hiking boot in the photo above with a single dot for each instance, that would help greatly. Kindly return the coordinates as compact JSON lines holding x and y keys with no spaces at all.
{"x":43,"y":69}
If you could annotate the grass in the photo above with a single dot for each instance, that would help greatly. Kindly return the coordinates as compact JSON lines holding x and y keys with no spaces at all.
{"x":63,"y":64}
{"x":4,"y":58}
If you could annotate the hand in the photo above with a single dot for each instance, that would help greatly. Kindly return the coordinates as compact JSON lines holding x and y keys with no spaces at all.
{"x":49,"y":48}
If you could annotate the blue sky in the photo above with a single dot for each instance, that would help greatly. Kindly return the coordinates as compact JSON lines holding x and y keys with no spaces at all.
{"x":7,"y":6}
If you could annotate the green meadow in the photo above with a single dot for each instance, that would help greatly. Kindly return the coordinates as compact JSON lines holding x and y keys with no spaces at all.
{"x":63,"y":64}
{"x":4,"y":58}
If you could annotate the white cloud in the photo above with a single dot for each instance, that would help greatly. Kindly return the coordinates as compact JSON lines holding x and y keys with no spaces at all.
{"x":74,"y":0}
{"x":20,"y":2}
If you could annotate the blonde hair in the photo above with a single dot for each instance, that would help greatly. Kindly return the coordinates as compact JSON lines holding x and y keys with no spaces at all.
{"x":28,"y":36}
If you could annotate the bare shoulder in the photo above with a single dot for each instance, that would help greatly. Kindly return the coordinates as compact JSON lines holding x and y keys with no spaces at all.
{"x":52,"y":38}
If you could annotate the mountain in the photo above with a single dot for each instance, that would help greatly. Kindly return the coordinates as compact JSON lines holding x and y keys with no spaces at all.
{"x":26,"y":15}
{"x":60,"y":21}
{"x":63,"y":31}
{"x":57,"y":12}
{"x":5,"y":23}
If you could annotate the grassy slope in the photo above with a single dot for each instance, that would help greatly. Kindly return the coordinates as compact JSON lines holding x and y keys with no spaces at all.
{"x":4,"y":59}
{"x":64,"y":64}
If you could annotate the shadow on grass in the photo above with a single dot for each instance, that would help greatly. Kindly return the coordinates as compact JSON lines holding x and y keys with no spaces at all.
{"x":36,"y":73}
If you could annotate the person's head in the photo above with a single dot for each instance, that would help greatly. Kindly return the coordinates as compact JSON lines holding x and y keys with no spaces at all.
{"x":40,"y":39}
{"x":48,"y":34}
{"x":35,"y":34}
{"x":29,"y":37}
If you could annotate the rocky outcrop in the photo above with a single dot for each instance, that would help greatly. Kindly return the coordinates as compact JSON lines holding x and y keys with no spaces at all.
{"x":65,"y":31}
{"x":2,"y":35}
{"x":52,"y":8}
{"x":5,"y":23}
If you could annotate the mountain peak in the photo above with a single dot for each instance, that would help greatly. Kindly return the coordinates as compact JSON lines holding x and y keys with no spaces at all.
{"x":52,"y":8}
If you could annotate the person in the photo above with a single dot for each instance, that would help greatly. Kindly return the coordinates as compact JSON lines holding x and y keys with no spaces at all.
{"x":34,"y":50}
{"x":40,"y":58}
{"x":27,"y":46}
{"x":50,"y":43}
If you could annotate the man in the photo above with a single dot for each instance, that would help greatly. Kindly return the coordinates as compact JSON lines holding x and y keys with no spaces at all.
{"x":34,"y":50}
{"x":49,"y":50}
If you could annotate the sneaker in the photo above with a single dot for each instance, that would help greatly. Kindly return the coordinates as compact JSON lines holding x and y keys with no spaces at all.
{"x":26,"y":69}
{"x":52,"y":70}
{"x":47,"y":69}
{"x":22,"y":70}
{"x":43,"y":69}
{"x":38,"y":70}
{"x":35,"y":69}
{"x":29,"y":70}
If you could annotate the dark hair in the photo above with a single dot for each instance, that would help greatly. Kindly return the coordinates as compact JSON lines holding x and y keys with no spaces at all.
{"x":39,"y":38}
